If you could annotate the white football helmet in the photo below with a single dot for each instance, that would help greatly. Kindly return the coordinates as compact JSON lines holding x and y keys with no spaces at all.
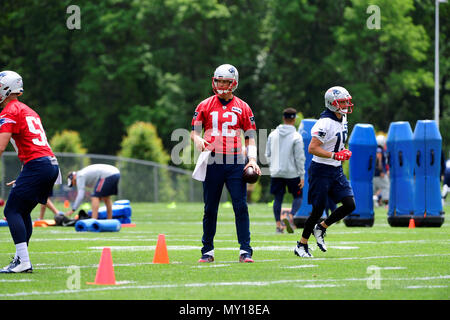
{"x":225,"y":72}
{"x":10,"y":82}
{"x":337,"y":99}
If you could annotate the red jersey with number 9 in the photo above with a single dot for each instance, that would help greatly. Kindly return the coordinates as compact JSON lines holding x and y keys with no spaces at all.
{"x":223,"y":123}
{"x":28,"y":135}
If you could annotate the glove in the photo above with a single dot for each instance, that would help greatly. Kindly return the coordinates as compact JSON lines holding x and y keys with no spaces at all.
{"x":342,"y":155}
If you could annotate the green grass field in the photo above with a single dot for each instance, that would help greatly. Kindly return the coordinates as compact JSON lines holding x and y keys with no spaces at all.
{"x":410,"y":263}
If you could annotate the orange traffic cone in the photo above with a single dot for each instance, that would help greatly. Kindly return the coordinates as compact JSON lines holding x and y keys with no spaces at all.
{"x":66,"y":204}
{"x":105,"y":271}
{"x":161,"y":255}
{"x":412,"y":224}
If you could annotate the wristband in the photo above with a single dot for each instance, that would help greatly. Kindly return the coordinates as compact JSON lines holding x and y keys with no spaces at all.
{"x":332,"y":155}
{"x":252,"y":152}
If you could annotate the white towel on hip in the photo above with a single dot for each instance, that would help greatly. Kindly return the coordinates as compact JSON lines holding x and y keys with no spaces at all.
{"x":200,"y":168}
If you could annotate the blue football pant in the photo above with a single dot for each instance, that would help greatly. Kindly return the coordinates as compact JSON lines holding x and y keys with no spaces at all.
{"x":218,"y":175}
{"x":277,"y":203}
{"x":278,"y":189}
{"x":33,"y":185}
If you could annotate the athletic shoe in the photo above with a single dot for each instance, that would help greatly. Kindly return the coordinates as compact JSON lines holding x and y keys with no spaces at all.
{"x":279,"y":230}
{"x":246,"y":258}
{"x":289,"y":227}
{"x":206,"y":258}
{"x":320,"y":232}
{"x":302,"y":251}
{"x":17,"y":266}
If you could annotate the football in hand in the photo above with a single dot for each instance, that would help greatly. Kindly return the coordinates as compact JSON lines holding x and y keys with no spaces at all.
{"x":250,"y":175}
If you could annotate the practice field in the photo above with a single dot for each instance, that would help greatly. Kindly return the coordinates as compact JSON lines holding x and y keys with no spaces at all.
{"x":380,"y":262}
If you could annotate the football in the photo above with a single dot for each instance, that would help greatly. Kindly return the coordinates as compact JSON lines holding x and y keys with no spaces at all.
{"x":250,"y":176}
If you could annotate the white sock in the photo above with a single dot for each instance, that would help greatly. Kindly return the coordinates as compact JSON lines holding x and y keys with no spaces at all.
{"x":444,"y":191}
{"x":210,"y":253}
{"x":22,"y":252}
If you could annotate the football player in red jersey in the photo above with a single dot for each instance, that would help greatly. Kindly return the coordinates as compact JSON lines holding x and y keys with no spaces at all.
{"x":22,"y":126}
{"x":223,"y":117}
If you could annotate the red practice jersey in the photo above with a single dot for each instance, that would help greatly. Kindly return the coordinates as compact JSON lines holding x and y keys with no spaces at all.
{"x":28,"y":135}
{"x":223,"y":123}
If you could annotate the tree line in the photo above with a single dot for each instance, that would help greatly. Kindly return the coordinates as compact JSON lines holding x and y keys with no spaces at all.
{"x":152,"y":61}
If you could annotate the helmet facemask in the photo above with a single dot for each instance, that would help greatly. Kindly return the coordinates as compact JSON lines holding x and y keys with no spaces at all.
{"x":225,"y":72}
{"x":220,"y":90}
{"x":344,"y":106}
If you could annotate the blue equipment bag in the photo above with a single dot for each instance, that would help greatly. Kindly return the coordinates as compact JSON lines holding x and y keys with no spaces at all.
{"x":121,"y":211}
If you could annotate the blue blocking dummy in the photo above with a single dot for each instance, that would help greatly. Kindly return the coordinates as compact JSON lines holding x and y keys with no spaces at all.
{"x":305,"y":209}
{"x":427,"y":150}
{"x":121,"y":211}
{"x":363,"y":145}
{"x":400,"y":149}
{"x":93,"y":225}
{"x":85,"y":225}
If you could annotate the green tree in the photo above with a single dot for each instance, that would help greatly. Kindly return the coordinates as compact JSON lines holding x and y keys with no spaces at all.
{"x":384,"y":69}
{"x":424,"y":14}
{"x":67,"y":141}
{"x":142,"y":142}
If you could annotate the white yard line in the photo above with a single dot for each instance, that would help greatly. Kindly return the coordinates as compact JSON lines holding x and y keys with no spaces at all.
{"x":309,"y":283}
{"x":301,"y":266}
{"x":426,"y":287}
{"x":195,"y":239}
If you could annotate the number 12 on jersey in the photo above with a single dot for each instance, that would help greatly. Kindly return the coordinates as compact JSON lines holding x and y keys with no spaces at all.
{"x":225,"y":131}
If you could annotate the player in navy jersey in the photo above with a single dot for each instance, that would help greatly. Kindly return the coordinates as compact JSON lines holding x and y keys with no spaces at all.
{"x":22,"y":126}
{"x":222,"y":117}
{"x":325,"y":175}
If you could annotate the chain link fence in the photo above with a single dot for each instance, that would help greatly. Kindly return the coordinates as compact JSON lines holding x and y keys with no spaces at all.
{"x":140,"y":181}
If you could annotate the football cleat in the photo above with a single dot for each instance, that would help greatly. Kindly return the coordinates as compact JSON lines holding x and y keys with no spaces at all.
{"x":320,"y":232}
{"x":206,"y":258}
{"x":302,"y":251}
{"x":279,"y":230}
{"x":289,"y":227}
{"x":246,"y":258}
{"x":17,"y":266}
